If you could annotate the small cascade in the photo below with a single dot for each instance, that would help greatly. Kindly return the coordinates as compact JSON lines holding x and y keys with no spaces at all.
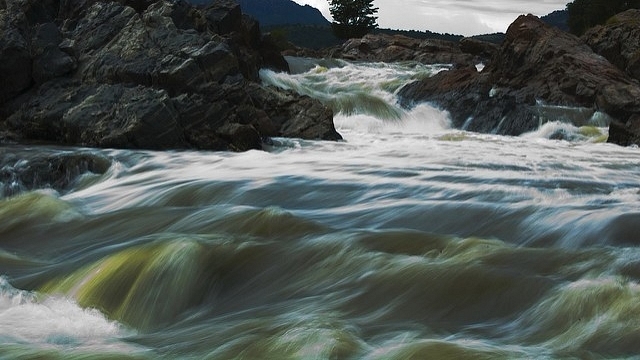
{"x":349,"y":88}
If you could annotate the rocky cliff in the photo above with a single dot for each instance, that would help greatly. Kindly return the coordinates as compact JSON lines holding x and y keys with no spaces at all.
{"x":538,"y":70}
{"x":144,"y":74}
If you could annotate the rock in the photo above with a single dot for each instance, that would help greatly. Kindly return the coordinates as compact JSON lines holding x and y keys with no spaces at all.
{"x":102,"y":115}
{"x":618,"y":41}
{"x":271,"y":55}
{"x":49,"y":61}
{"x":537,"y":66}
{"x":224,"y":16}
{"x":15,"y":59}
{"x":627,"y":133}
{"x":293,"y":116}
{"x":145,"y":74}
{"x":483,"y":49}
{"x":387,"y":48}
{"x":23,"y":170}
{"x":241,"y":137}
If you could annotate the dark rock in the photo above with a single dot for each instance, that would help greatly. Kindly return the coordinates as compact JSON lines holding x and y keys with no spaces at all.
{"x":387,"y":48}
{"x":273,"y":58}
{"x":23,"y":170}
{"x":15,"y":59}
{"x":483,"y":49}
{"x":48,"y":60}
{"x":145,"y":74}
{"x":224,"y":16}
{"x":625,"y":133}
{"x":100,"y":116}
{"x":619,"y":41}
{"x":537,"y":66}
{"x":241,"y":137}
{"x":138,"y":5}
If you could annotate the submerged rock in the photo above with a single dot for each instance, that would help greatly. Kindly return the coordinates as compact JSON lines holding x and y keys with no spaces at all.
{"x":144,"y":74}
{"x":536,"y":67}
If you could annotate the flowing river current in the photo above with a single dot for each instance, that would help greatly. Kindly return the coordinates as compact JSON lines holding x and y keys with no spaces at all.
{"x":407,"y":240}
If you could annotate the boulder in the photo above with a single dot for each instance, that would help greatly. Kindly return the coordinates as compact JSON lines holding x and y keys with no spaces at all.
{"x":145,"y":74}
{"x":538,"y":67}
{"x":618,"y":41}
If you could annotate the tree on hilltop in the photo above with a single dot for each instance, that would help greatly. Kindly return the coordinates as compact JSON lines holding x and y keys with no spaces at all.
{"x":353,"y":18}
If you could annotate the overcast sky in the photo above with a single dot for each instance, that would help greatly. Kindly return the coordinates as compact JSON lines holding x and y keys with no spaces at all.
{"x":463,"y":17}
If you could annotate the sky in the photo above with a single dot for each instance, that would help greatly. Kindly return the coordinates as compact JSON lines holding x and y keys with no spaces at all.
{"x":461,"y":17}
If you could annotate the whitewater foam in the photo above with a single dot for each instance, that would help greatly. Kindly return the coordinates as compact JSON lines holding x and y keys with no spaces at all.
{"x":56,"y":323}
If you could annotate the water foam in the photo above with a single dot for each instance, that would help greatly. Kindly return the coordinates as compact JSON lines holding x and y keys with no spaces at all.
{"x":56,"y":323}
{"x":354,"y":89}
{"x":558,"y":130}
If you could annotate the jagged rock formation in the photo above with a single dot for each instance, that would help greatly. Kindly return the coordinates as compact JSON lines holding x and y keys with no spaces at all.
{"x":144,"y":74}
{"x":538,"y":67}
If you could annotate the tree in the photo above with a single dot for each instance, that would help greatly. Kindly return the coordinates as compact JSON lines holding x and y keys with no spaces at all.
{"x":353,"y":18}
{"x":584,"y":14}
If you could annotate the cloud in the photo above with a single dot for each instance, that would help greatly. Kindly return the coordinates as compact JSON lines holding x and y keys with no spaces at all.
{"x":464,"y":17}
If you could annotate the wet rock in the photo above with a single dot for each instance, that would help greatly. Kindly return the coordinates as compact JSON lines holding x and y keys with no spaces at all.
{"x":23,"y":170}
{"x":145,"y":74}
{"x":625,"y":133}
{"x":537,"y":66}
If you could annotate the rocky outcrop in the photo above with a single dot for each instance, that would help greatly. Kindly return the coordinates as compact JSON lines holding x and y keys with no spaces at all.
{"x":538,"y":69}
{"x":618,"y":41}
{"x":144,"y":74}
{"x":394,"y":48}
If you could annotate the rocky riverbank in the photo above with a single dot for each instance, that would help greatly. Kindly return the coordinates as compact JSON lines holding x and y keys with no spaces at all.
{"x":537,"y":71}
{"x":159,"y":74}
{"x":394,"y":48}
{"x":144,"y":74}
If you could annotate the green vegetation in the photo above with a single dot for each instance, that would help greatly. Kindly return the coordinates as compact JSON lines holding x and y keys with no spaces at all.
{"x":584,"y":14}
{"x":353,"y":18}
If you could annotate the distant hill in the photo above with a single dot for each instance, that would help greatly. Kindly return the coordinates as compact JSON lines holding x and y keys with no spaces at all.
{"x":558,"y":18}
{"x":321,"y":36}
{"x":304,"y":26}
{"x":282,"y":12}
{"x":278,"y":12}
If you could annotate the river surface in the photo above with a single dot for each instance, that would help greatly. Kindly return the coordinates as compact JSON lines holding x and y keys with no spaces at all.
{"x":407,"y":240}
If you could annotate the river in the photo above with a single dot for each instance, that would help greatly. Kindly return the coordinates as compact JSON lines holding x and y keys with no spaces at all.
{"x":407,"y":240}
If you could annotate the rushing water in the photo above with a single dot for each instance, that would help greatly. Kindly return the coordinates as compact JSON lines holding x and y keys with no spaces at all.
{"x":408,"y":240}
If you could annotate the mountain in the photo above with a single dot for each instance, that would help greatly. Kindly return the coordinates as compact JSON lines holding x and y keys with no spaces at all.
{"x":282,"y":12}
